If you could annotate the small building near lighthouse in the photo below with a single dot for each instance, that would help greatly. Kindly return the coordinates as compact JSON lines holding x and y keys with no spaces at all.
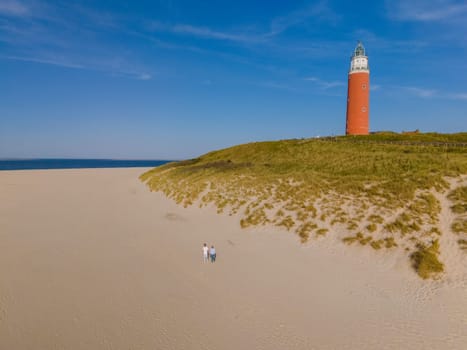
{"x":358,"y":93}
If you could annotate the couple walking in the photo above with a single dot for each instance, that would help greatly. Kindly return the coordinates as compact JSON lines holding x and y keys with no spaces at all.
{"x":209,"y":253}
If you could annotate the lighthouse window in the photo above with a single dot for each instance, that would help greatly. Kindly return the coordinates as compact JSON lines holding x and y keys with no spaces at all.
{"x":363,"y":109}
{"x":363,"y":86}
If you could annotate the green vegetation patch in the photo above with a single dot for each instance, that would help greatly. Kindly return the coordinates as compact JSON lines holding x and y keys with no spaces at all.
{"x":322,"y":231}
{"x":458,"y":197}
{"x":459,"y":226}
{"x":425,"y":260}
{"x":414,"y":137}
{"x":375,"y":219}
{"x":388,"y":242}
{"x":377,"y":244}
{"x":305,"y":230}
{"x":421,"y":212}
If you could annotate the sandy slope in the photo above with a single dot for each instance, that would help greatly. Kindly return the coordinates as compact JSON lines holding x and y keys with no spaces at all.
{"x":89,"y":259}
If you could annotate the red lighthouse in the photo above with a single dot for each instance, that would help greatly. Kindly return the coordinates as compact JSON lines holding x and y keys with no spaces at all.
{"x":358,"y":93}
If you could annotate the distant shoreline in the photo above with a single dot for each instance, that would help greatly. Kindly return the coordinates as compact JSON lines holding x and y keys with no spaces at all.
{"x":75,"y":163}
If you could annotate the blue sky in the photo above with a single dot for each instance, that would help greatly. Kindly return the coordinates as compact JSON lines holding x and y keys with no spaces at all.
{"x":173,"y":79}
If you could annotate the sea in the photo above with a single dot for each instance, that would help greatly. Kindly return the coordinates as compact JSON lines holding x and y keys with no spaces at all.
{"x":54,"y":163}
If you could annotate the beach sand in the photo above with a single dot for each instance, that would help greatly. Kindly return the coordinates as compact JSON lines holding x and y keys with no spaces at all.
{"x":90,"y":259}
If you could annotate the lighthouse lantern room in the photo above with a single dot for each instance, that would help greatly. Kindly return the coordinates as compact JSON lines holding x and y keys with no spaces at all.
{"x":358,"y":108}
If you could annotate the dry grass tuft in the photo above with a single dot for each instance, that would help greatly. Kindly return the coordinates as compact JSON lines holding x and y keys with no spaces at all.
{"x":459,"y":199}
{"x":425,"y":260}
{"x":459,"y":226}
{"x":322,"y":232}
{"x":462,"y":244}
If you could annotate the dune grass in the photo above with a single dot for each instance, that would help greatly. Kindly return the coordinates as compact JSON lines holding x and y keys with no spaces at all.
{"x":458,"y":197}
{"x":462,"y":244}
{"x":303,"y":185}
{"x":425,"y":260}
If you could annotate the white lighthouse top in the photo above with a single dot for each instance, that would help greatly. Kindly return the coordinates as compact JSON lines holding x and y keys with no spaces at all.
{"x":359,"y":60}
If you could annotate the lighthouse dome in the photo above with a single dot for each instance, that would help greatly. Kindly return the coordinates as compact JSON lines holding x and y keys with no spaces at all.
{"x":359,"y":60}
{"x":359,"y":50}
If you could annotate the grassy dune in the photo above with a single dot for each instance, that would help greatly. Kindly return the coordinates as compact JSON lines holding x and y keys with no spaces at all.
{"x":458,"y":198}
{"x":378,"y":189}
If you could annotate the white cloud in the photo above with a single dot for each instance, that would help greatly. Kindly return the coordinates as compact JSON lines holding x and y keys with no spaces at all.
{"x":205,"y":32}
{"x":54,"y":35}
{"x":13,"y":8}
{"x":275,"y":85}
{"x":121,"y":68}
{"x":325,"y":84}
{"x":379,"y":43}
{"x":426,"y":93}
{"x":425,"y":10}
{"x":144,"y":76}
{"x":53,"y":62}
{"x":458,"y":96}
{"x":421,"y":92}
{"x":318,"y":11}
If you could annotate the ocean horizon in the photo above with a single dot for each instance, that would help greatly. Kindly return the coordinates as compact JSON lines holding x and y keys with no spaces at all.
{"x":75,"y":163}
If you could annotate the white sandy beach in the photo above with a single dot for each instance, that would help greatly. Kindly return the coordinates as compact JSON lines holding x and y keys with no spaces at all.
{"x":90,"y":259}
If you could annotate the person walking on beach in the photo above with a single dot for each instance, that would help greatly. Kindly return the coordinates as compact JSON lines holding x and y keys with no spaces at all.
{"x":212,"y":254}
{"x":205,"y":253}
